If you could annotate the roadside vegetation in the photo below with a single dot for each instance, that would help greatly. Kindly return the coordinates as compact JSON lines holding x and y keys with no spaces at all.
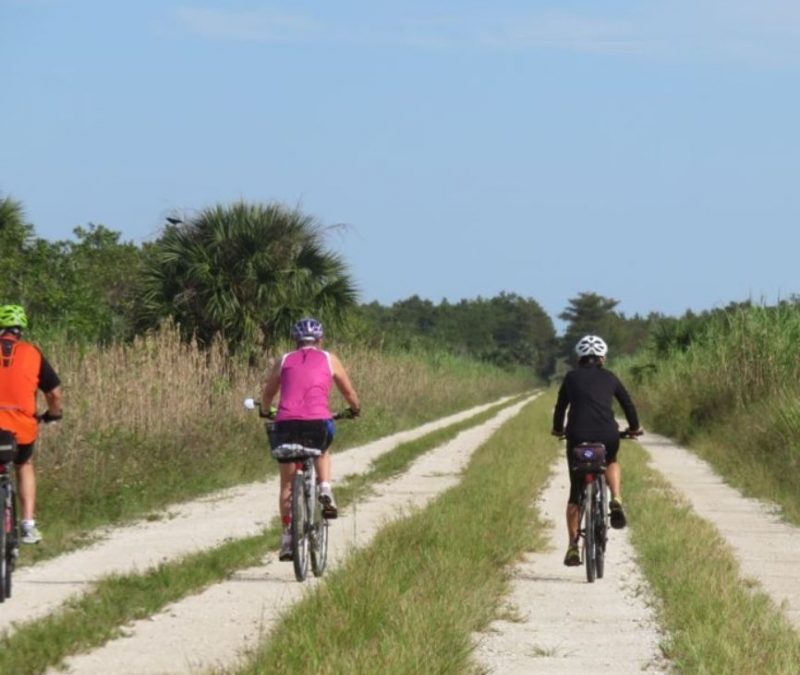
{"x":728,"y":384}
{"x":88,"y":621}
{"x":716,"y":622}
{"x":159,"y":420}
{"x":412,"y":600}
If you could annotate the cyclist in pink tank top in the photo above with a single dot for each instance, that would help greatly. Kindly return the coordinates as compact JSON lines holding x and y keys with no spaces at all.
{"x":305,"y":378}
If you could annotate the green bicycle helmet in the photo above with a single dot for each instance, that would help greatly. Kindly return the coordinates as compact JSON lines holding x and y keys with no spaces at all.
{"x":12,"y":316}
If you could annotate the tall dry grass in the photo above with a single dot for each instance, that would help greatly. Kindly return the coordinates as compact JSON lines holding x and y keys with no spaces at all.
{"x":158,"y":420}
{"x":734,"y":394}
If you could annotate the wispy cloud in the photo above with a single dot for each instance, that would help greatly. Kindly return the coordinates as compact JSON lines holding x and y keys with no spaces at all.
{"x":563,"y":31}
{"x":248,"y":25}
{"x":764,"y":33}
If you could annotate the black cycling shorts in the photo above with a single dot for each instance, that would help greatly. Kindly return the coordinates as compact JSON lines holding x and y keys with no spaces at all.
{"x":24,"y":453}
{"x":310,"y":433}
{"x":576,"y":479}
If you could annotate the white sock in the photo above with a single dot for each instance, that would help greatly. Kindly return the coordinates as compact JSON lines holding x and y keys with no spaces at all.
{"x":28,"y":524}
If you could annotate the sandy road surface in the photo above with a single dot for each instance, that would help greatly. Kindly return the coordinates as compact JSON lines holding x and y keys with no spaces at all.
{"x":553,"y":616}
{"x":768,"y":550}
{"x":189,"y":527}
{"x":214,"y":627}
{"x":559,"y":623}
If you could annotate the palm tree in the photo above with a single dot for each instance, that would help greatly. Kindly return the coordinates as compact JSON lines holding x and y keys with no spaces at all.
{"x":16,"y":238}
{"x":245,"y":272}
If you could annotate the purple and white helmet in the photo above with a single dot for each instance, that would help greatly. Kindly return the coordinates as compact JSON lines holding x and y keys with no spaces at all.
{"x":307,"y":330}
{"x":591,"y":345}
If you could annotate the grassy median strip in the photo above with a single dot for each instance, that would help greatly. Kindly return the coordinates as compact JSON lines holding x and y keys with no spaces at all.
{"x":398,"y":460}
{"x":717,"y":622}
{"x":411,"y":601}
{"x":91,"y":620}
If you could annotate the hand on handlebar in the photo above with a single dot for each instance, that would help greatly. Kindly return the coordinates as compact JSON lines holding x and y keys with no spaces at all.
{"x":46,"y":417}
{"x":347,"y":414}
{"x":631,"y":433}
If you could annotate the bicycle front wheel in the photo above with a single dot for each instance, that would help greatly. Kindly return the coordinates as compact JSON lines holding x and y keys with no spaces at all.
{"x":589,"y":534}
{"x":299,"y":528}
{"x":319,"y":537}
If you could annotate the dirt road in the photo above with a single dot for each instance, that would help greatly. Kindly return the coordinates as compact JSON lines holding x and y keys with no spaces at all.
{"x":214,"y":627}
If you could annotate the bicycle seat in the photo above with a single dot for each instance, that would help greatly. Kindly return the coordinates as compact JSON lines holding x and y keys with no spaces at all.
{"x":294,"y":452}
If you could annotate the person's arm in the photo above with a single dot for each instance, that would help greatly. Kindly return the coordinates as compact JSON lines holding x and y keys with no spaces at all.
{"x":53,"y":398}
{"x":50,"y":385}
{"x":271,"y":386}
{"x":624,"y":398}
{"x":560,"y":410}
{"x":343,"y":384}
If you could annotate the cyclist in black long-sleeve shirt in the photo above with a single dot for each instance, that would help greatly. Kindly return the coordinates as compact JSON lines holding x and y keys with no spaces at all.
{"x":587,"y":395}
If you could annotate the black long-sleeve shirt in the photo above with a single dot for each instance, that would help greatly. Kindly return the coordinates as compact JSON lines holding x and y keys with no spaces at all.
{"x":588,"y":392}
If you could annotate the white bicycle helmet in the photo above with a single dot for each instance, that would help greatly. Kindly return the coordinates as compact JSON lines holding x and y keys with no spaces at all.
{"x":591,"y":345}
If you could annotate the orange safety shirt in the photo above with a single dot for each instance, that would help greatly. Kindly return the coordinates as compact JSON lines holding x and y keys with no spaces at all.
{"x":20,"y":365}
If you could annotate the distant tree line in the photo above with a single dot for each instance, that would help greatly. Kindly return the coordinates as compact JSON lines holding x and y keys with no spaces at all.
{"x":244,"y":272}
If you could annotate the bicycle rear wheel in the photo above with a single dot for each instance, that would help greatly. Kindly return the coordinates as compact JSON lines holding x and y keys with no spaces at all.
{"x":589,"y":534}
{"x":319,"y":537}
{"x":299,"y":528}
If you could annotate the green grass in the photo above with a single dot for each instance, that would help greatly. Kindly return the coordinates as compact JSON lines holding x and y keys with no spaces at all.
{"x":732,"y":396}
{"x":716,"y":621}
{"x":91,"y":620}
{"x":410,"y":602}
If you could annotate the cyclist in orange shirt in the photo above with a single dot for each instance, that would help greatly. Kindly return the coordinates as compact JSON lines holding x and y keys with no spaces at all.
{"x":23,"y":371}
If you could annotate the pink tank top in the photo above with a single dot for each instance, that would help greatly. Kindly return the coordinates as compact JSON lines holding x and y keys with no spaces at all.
{"x":306,"y":378}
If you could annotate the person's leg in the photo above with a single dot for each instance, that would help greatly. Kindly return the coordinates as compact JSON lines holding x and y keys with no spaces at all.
{"x":573,"y":522}
{"x":323,"y":463}
{"x":614,"y":479}
{"x":329,"y":508}
{"x":325,"y":474}
{"x":572,"y":558}
{"x":26,"y":487}
{"x":287,"y":471}
{"x":323,"y":466}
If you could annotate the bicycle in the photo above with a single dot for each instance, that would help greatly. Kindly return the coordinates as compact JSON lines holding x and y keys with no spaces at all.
{"x":590,"y":461}
{"x":309,"y":527}
{"x":9,"y":533}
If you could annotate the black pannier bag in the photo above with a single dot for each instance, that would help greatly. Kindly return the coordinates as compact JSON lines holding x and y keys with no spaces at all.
{"x":293,"y":440}
{"x":8,"y":446}
{"x":589,"y":457}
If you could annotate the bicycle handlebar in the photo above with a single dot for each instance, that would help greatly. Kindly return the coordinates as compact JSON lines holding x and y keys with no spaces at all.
{"x":46,"y":417}
{"x":252,"y":404}
{"x":628,"y":434}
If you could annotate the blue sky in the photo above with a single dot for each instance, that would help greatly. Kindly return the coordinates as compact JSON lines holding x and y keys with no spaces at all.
{"x":647,"y":151}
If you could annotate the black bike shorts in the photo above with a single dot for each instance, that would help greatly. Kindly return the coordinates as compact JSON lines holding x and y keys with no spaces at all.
{"x":310,"y":433}
{"x":576,"y":479}
{"x":24,"y":453}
